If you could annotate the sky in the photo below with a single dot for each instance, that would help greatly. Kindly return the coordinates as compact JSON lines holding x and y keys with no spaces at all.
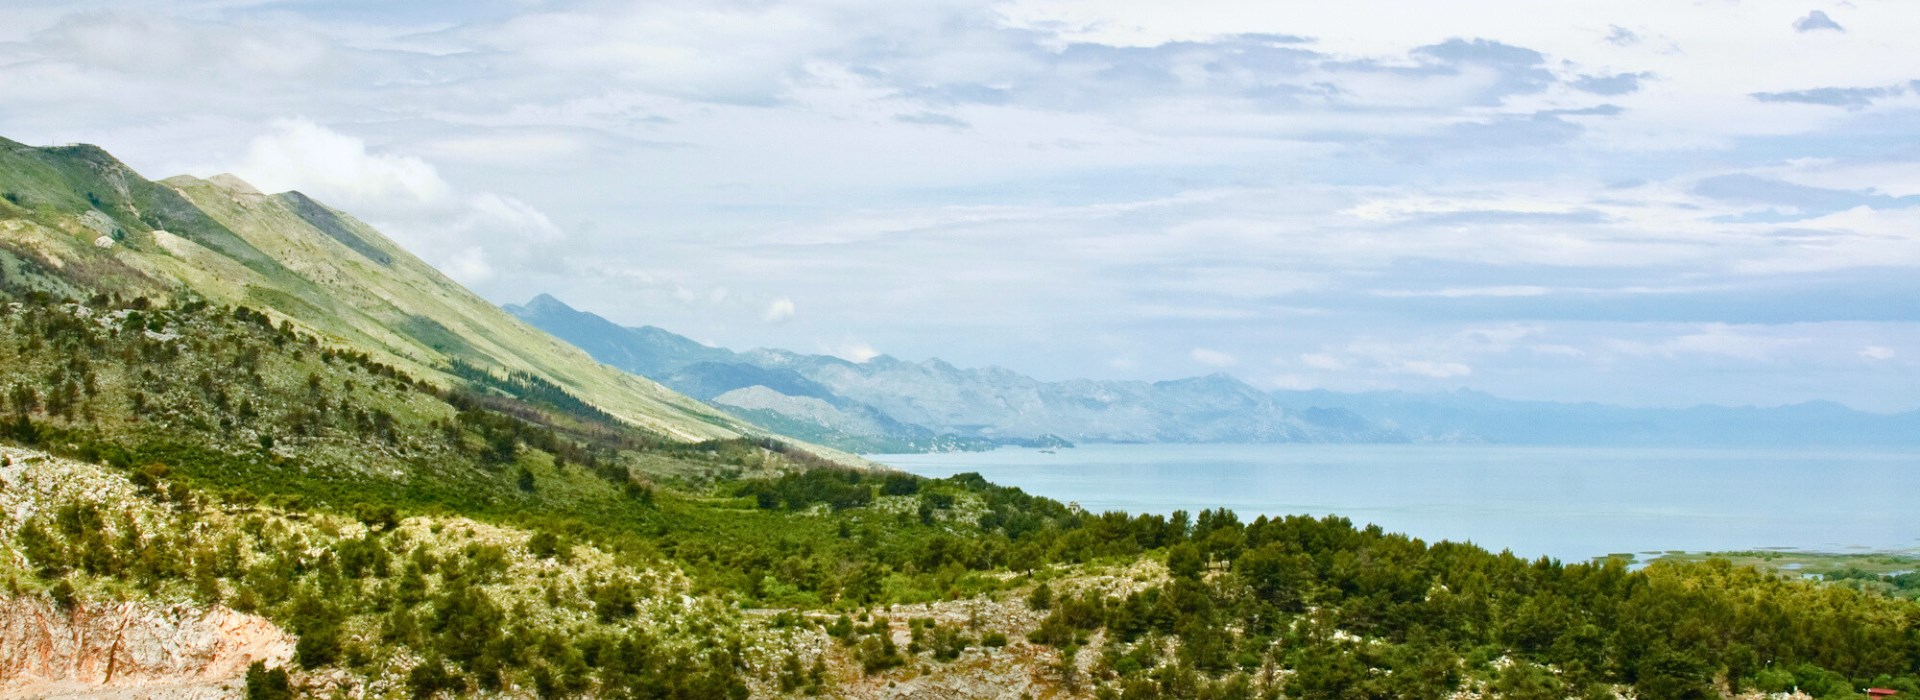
{"x":1643,"y":202}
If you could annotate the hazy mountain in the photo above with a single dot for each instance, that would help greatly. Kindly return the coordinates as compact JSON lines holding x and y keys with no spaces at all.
{"x":887,"y":400}
{"x":777,"y":397}
{"x":998,"y":403}
{"x":841,"y":402}
{"x":1478,"y":417}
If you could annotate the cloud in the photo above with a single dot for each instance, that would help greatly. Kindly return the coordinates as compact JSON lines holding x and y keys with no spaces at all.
{"x":1848,"y":98}
{"x":932,"y":119}
{"x":164,"y":48}
{"x":404,"y":196}
{"x":1743,"y":188}
{"x":779,"y":311}
{"x":731,"y":53}
{"x":1616,"y":84}
{"x":467,"y":264}
{"x":1817,"y":21}
{"x":1506,"y":131}
{"x":300,"y":154}
{"x":1323,"y":361}
{"x":1621,"y":36}
{"x":1435,"y":370}
{"x":1213,"y":358}
{"x":1756,"y":344}
{"x":855,"y":351}
{"x":1877,"y":353}
{"x":1498,"y":217}
{"x":1511,"y":290}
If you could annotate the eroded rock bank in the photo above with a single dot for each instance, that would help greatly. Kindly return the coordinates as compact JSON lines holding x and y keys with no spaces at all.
{"x":109,"y":649}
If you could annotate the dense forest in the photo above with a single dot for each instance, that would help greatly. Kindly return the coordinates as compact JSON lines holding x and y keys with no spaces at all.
{"x":502,"y":535}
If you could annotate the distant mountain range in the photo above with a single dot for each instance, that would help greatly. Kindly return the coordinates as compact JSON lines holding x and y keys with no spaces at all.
{"x":890,"y":405}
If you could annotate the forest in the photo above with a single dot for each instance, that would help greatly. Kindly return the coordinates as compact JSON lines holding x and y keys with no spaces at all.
{"x":500,"y":534}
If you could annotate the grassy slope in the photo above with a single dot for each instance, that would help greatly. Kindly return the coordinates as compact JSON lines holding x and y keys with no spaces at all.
{"x":290,"y":255}
{"x":136,"y":388}
{"x":418,"y":312}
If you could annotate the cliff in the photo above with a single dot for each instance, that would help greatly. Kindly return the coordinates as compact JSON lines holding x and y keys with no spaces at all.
{"x":131,"y":649}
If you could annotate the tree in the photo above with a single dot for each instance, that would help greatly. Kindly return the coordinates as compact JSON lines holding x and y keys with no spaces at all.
{"x":268,"y":684}
{"x":1184,"y":561}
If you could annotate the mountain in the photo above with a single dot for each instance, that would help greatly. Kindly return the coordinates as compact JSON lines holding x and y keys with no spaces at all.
{"x":1470,"y":416}
{"x":934,"y":405}
{"x":76,"y":222}
{"x":778,"y":398}
{"x":841,"y":403}
{"x":645,"y":351}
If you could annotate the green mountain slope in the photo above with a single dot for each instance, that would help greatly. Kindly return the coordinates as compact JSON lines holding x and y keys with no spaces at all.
{"x":74,"y":221}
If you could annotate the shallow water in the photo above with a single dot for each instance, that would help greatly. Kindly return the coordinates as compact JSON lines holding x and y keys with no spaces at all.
{"x":1567,"y":502}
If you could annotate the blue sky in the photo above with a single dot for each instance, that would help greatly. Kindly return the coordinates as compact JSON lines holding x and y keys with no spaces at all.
{"x":1645,"y":203}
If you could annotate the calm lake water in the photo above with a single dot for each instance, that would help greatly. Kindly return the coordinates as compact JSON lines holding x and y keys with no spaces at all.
{"x":1565,"y":502}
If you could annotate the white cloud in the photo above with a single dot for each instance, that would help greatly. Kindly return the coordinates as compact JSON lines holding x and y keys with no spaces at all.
{"x":1749,"y":343}
{"x":1878,"y":353}
{"x":1213,"y":358}
{"x":1323,"y":361}
{"x":1556,"y":350}
{"x":1290,"y":382}
{"x":165,"y":48}
{"x":780,"y":310}
{"x":853,"y":351}
{"x":468,"y":265}
{"x":1463,"y":292}
{"x":298,"y":154}
{"x":405,"y":196}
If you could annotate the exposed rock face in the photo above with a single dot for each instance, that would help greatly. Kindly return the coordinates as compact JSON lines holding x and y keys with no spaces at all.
{"x":111,"y":650}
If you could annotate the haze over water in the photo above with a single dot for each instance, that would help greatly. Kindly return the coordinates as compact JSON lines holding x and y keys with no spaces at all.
{"x":1572,"y":503}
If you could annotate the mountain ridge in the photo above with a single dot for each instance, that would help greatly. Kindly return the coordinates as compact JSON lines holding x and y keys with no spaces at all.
{"x":988,"y":405}
{"x":999,"y":405}
{"x":75,"y":222}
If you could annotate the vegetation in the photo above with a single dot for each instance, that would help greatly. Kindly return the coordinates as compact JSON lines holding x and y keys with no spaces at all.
{"x":435,"y":524}
{"x":367,"y":467}
{"x":1890,"y":573}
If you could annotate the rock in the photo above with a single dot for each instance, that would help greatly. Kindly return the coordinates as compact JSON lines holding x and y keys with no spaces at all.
{"x":130,"y":649}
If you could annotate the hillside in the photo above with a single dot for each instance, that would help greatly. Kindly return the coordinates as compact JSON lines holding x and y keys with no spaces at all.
{"x":197,"y":469}
{"x":75,"y":222}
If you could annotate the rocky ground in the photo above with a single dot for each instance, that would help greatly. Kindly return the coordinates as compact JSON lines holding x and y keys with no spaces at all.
{"x":108,"y":642}
{"x":130,"y":649}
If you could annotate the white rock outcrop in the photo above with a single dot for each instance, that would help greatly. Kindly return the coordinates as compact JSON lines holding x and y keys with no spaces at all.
{"x":146,"y":649}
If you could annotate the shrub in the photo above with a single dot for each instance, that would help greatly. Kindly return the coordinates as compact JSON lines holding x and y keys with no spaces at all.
{"x":268,"y":684}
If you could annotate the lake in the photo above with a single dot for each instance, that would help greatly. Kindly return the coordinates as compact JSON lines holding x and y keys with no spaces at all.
{"x":1572,"y":503}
